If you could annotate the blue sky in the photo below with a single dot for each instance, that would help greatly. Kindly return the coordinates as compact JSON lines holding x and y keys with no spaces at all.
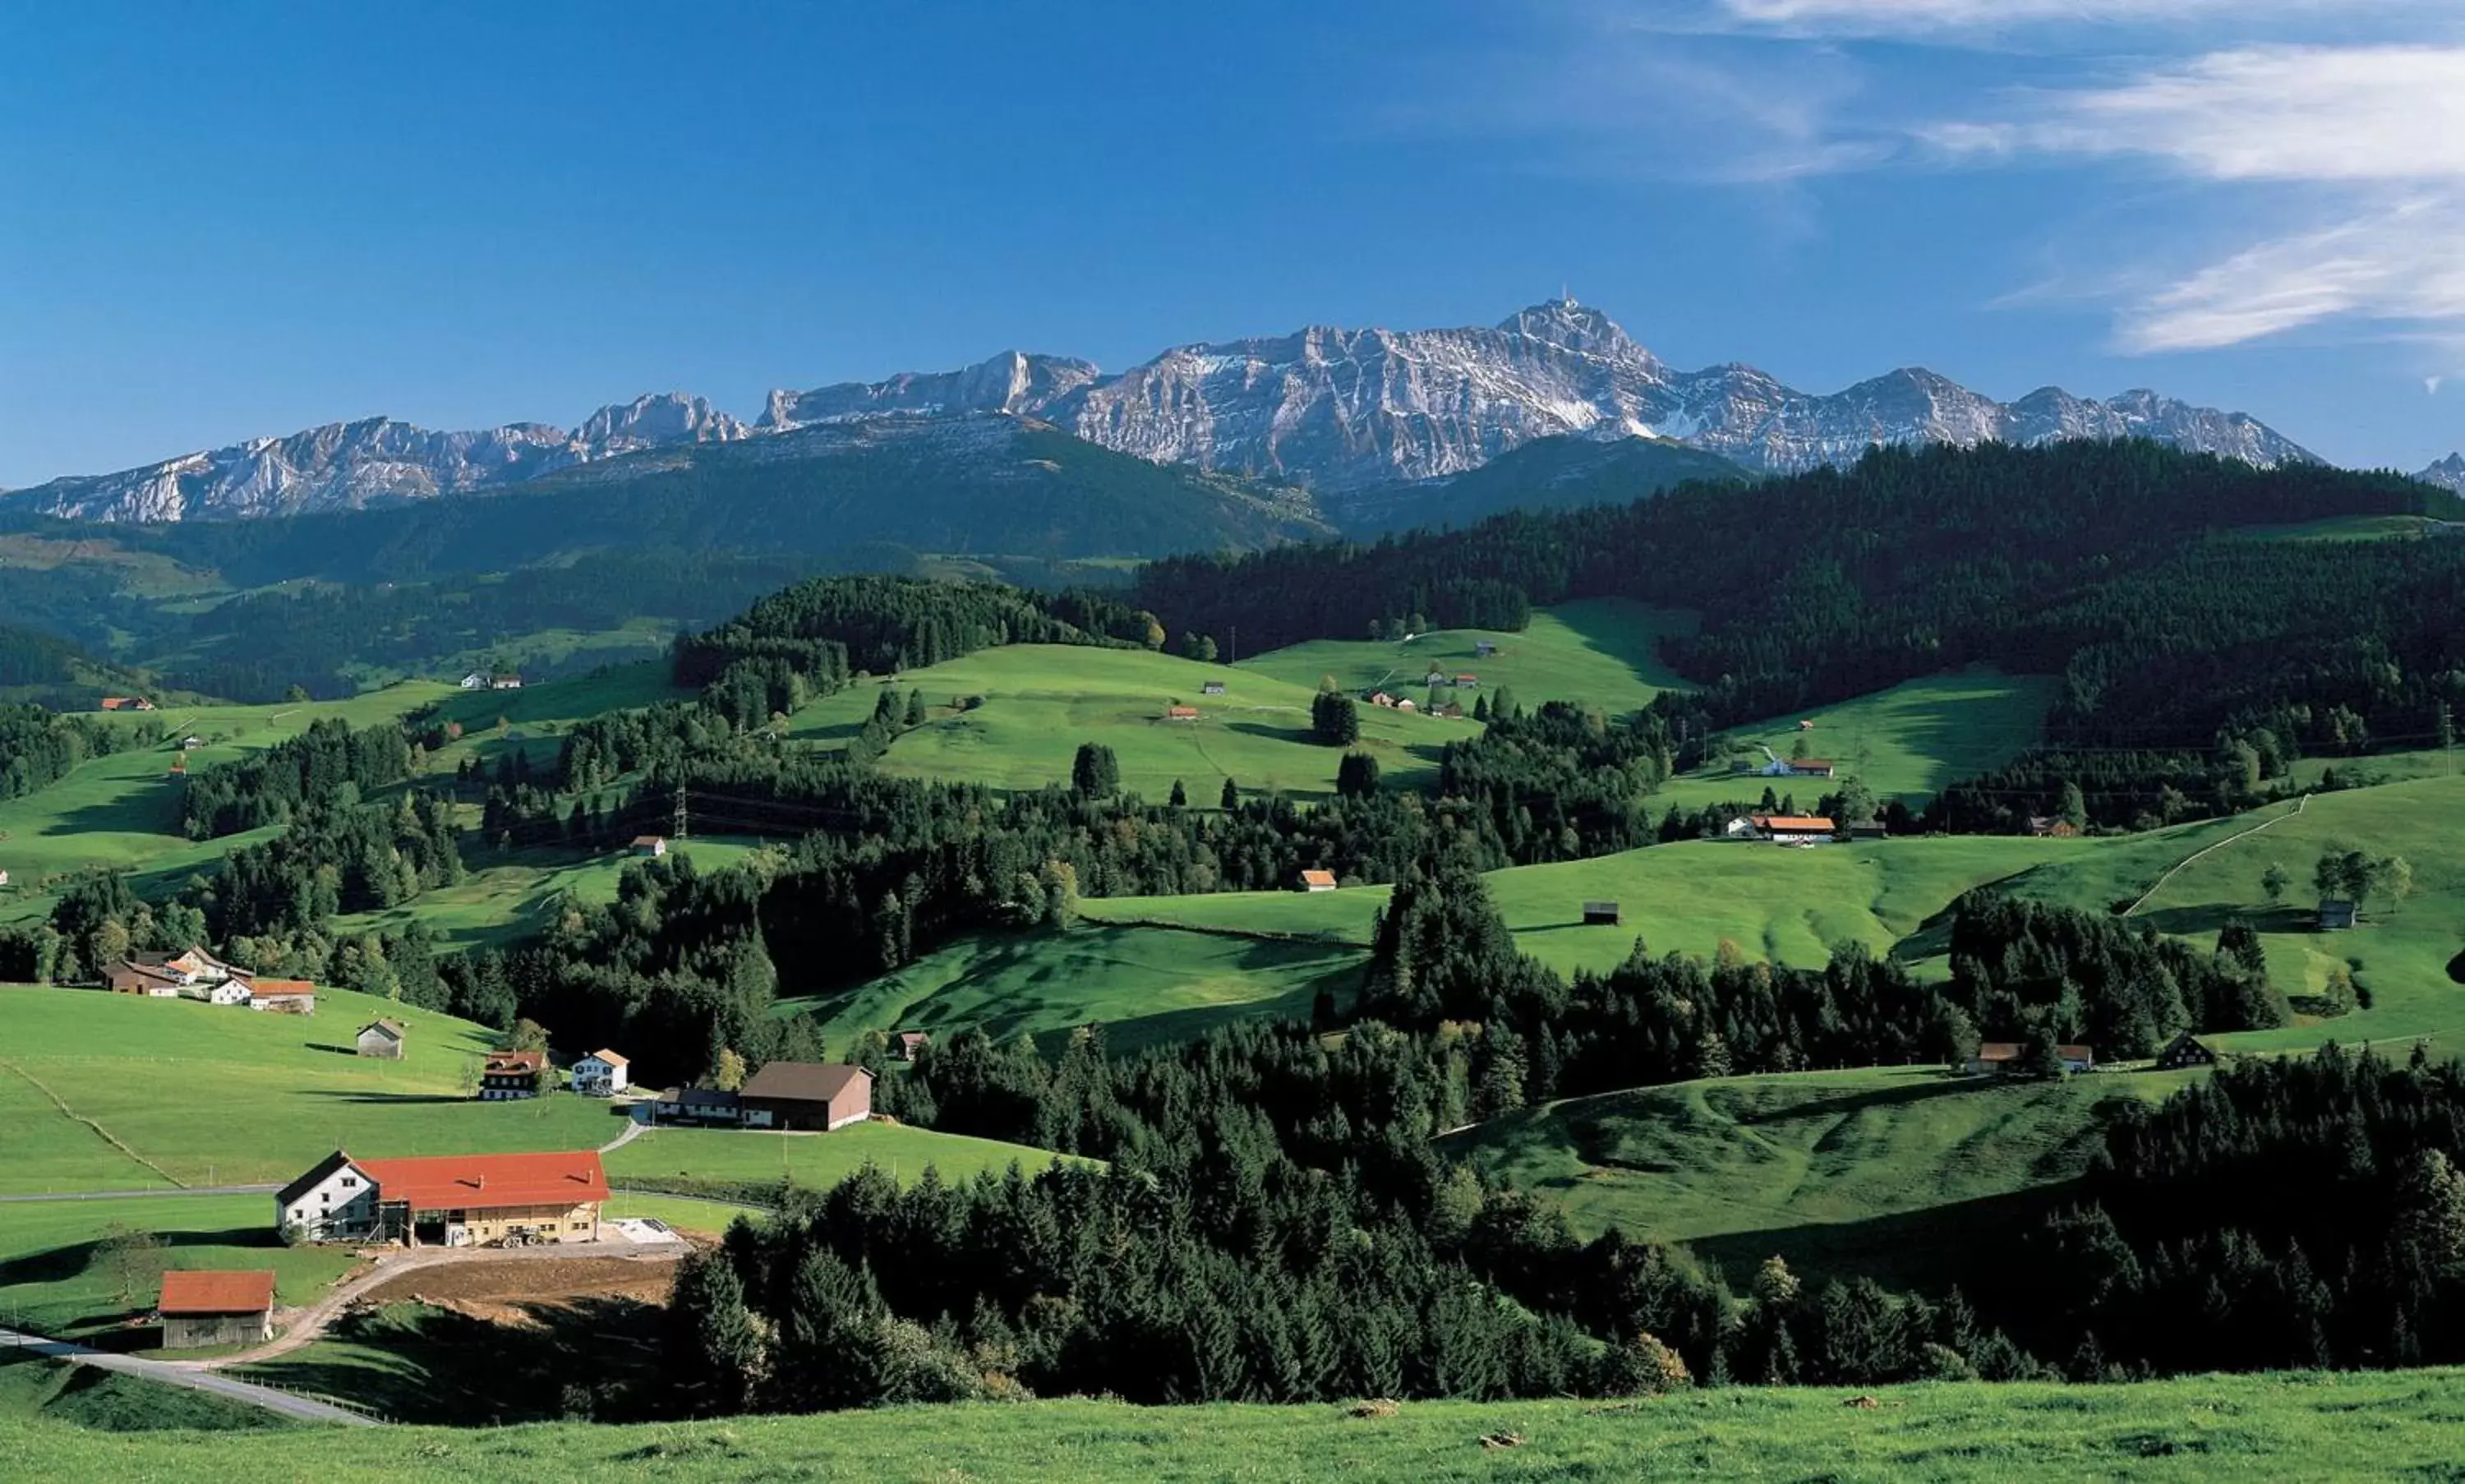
{"x":237,"y":220}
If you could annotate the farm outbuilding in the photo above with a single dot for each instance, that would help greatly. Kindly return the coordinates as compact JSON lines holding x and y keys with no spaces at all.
{"x":807,"y":1095}
{"x":2184,"y":1050}
{"x":1318,"y":880}
{"x":1600,"y":913}
{"x":204,"y":1306}
{"x":381,"y":1038}
{"x":2335,"y":915}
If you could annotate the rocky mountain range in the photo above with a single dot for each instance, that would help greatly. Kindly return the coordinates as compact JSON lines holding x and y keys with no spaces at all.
{"x":1337,"y":411}
{"x":2449,"y":473}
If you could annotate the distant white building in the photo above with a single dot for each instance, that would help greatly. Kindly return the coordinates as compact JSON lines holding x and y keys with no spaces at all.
{"x":476,"y":681}
{"x":603,"y":1074}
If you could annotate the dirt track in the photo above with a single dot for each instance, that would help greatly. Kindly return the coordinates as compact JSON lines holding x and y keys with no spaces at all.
{"x":533,"y":1280}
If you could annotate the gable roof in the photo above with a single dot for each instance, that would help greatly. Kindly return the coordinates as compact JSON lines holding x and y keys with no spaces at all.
{"x":216,"y":1291}
{"x":317,"y":1176}
{"x":280,"y":988}
{"x":1318,"y":879}
{"x":487,"y":1180}
{"x":650,"y":839}
{"x":1998,"y":1050}
{"x":612,"y":1058}
{"x":1798,"y":822}
{"x":391,"y":1028}
{"x":125,"y":971}
{"x":804,"y":1082}
{"x":515,"y":1061}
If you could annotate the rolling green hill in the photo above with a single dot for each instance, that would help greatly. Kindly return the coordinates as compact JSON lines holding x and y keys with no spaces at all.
{"x":1907,"y":741}
{"x":1041,"y":700}
{"x":691,"y":1156}
{"x":123,"y":810}
{"x":1896,"y":1172}
{"x":1143,"y":985}
{"x":1603,"y":651}
{"x":2320,"y":1427}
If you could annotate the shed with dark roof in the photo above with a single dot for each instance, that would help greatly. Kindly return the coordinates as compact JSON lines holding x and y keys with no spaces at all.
{"x":807,"y":1095}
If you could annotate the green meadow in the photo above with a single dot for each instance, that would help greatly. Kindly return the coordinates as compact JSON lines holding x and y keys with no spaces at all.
{"x":1787,"y":905}
{"x":1143,"y":985}
{"x":1605,"y":652}
{"x":123,"y":810}
{"x":161,"y":1091}
{"x":741,"y":1157}
{"x":1041,"y":700}
{"x":533,"y":718}
{"x":1895,"y":1171}
{"x":1907,"y":741}
{"x":2321,"y":1426}
{"x":60,"y":1273}
{"x":506,"y":897}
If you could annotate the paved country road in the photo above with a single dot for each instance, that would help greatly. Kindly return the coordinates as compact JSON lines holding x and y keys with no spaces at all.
{"x":132,"y":1195}
{"x":303,"y":1408}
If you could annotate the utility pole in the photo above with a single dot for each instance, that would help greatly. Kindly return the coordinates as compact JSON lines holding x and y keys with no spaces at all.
{"x":677,"y":832}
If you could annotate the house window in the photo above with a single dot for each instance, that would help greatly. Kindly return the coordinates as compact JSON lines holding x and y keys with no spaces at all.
{"x":350,"y":1183}
{"x":326,"y":1196}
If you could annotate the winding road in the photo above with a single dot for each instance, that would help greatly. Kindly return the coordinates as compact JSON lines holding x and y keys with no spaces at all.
{"x":191,"y":1375}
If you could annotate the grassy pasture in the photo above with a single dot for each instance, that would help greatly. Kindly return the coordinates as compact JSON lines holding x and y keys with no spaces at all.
{"x":536,"y":716}
{"x":211,"y":1095}
{"x":1041,"y":700}
{"x":1144,"y":986}
{"x":1906,"y":742}
{"x":1896,"y":1172}
{"x":1785,"y":906}
{"x":706,"y":1156}
{"x":123,"y":810}
{"x":2314,"y":1427}
{"x":56,"y":1280}
{"x":506,"y":898}
{"x":1602,"y":650}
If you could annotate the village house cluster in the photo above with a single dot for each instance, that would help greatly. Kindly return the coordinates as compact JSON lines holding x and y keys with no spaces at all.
{"x":195,"y":974}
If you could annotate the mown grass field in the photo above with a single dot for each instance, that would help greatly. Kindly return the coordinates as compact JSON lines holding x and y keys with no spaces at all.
{"x":206,"y":1094}
{"x":1041,"y":700}
{"x":2308,"y":1427}
{"x":1787,"y":905}
{"x":819,"y":1161}
{"x":533,"y":718}
{"x":1907,"y":741}
{"x":55,"y":1278}
{"x":1605,"y":652}
{"x":123,"y":810}
{"x":1143,"y":985}
{"x":1904,"y":1173}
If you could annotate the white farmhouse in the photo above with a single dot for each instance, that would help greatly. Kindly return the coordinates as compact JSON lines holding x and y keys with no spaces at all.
{"x":602,"y":1073}
{"x":336,"y":1199}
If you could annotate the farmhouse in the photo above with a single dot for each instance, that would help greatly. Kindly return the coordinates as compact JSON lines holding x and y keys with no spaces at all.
{"x":649,"y":847}
{"x":1318,"y":880}
{"x":1466,"y":682}
{"x":202,"y":1306}
{"x":1810,"y":767}
{"x":1600,"y":913}
{"x":1745,"y":826}
{"x":1483,"y":649}
{"x":381,"y":1038}
{"x":1181,"y":713}
{"x":603,"y":1074}
{"x":189,"y":965}
{"x":462,"y":1200}
{"x":2046,"y":826}
{"x":126,"y":703}
{"x":476,"y":681}
{"x":1798,"y":827}
{"x":908,"y":1045}
{"x":129,"y":978}
{"x":2002,"y":1058}
{"x":1406,"y":705}
{"x":233,"y":990}
{"x":1865,"y":830}
{"x":1381,"y":698}
{"x":2184,"y":1050}
{"x":1211,"y":688}
{"x":505,"y":682}
{"x":283,"y":996}
{"x":695,"y":1105}
{"x":2334,"y":914}
{"x":506,"y":1076}
{"x":807,"y":1095}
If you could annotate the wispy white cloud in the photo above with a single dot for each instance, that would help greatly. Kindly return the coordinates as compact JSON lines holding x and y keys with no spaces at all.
{"x":2364,"y":148}
{"x":1936,"y":18}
